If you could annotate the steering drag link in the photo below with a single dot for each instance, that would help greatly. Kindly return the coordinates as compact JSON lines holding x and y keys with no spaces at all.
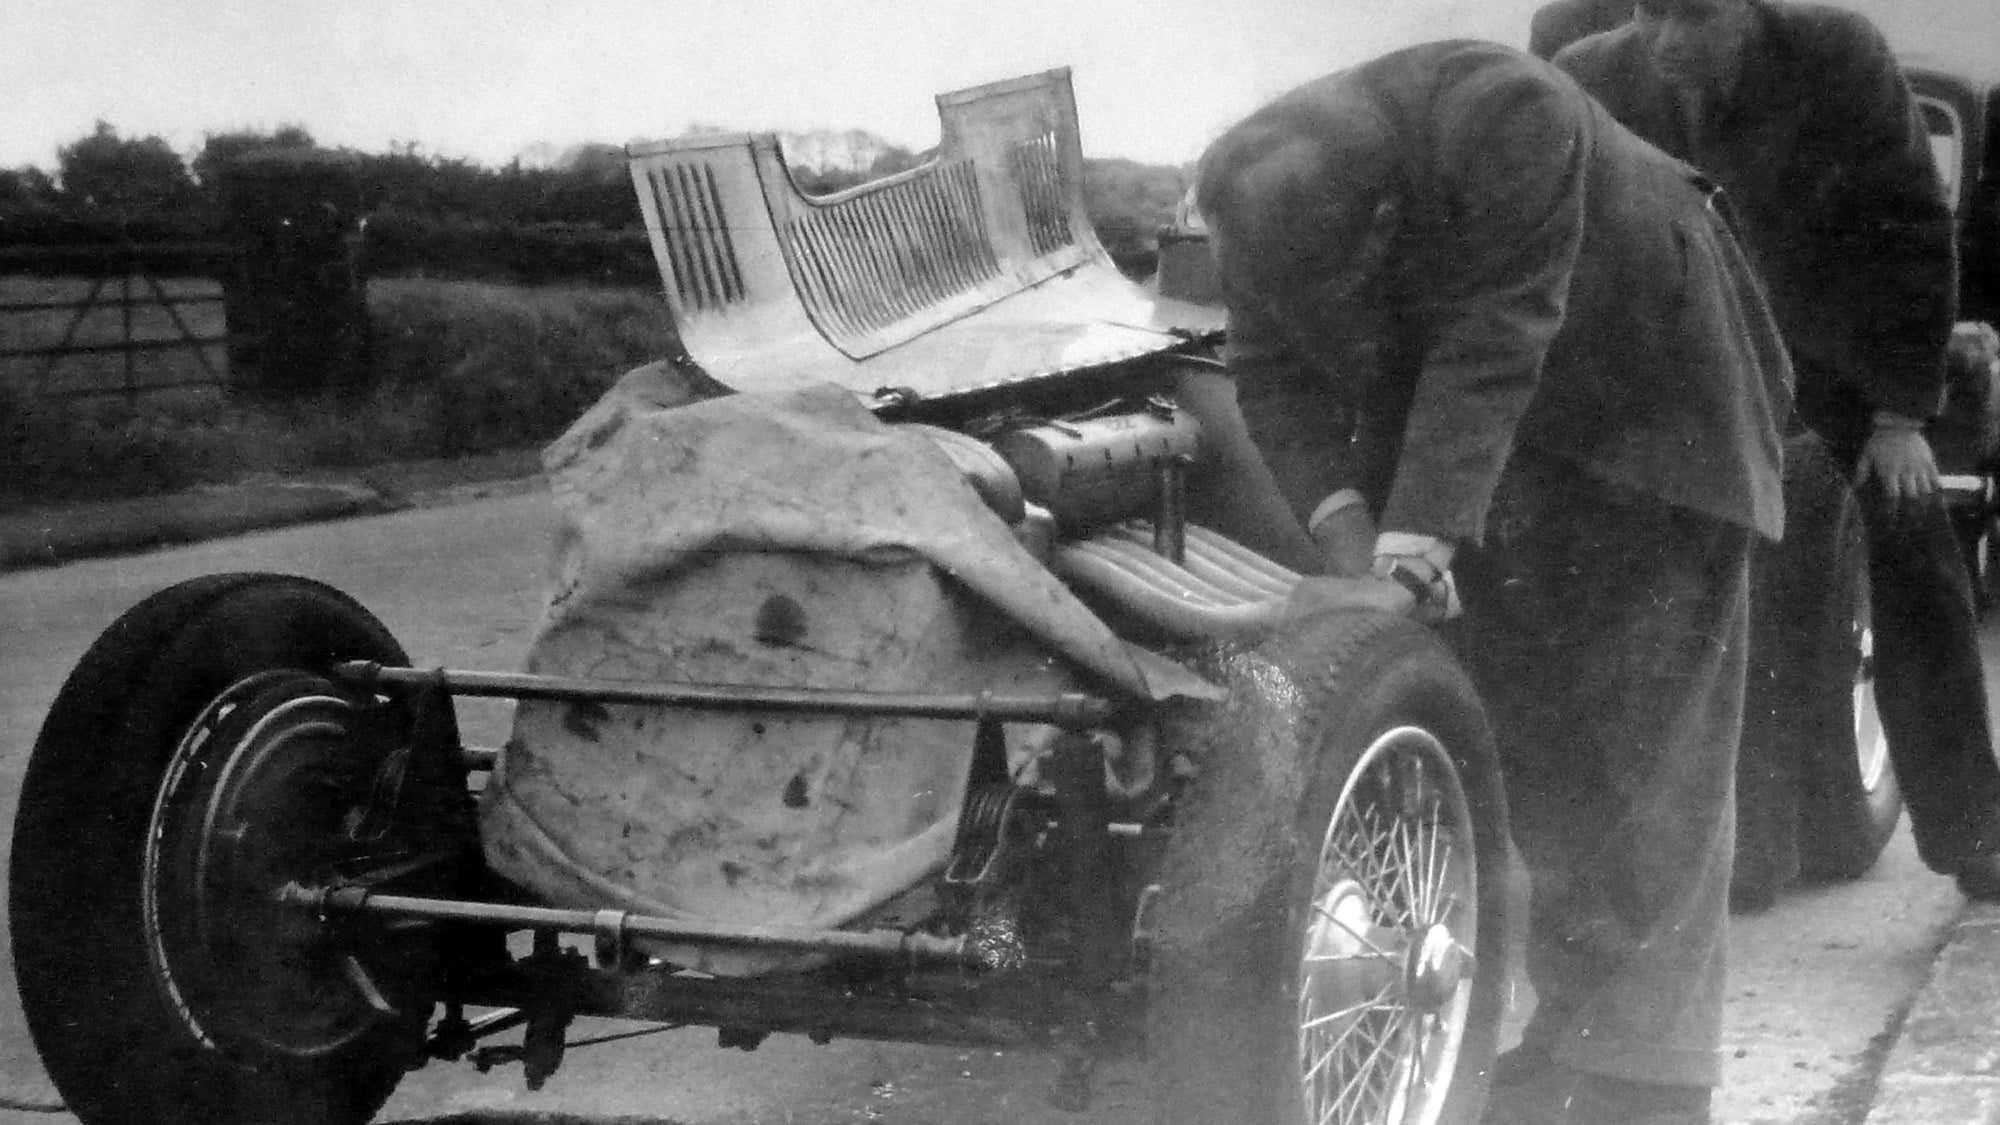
{"x":613,"y":930}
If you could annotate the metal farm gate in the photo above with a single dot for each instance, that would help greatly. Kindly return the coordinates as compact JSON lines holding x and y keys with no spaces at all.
{"x":95,"y":321}
{"x":274,"y":308}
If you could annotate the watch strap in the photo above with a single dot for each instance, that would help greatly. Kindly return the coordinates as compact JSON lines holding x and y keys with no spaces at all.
{"x":1405,"y":575}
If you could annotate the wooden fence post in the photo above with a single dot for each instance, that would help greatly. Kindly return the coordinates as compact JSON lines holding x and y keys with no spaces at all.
{"x":295,"y":302}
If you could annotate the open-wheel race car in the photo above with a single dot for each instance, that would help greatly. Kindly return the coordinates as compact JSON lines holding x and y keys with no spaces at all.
{"x":903,"y":693}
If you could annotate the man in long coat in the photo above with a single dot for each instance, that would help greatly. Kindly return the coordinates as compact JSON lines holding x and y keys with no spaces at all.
{"x":1801,"y":113}
{"x":1573,"y":388}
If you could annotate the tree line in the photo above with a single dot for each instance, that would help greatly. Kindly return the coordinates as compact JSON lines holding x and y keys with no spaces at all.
{"x":107,"y":185}
{"x":107,"y":177}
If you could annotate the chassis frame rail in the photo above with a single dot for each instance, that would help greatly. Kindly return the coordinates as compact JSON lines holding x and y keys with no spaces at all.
{"x":1068,"y":710}
{"x":745,"y":1010}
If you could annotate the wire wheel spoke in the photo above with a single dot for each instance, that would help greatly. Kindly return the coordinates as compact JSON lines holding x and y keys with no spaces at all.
{"x":1367,"y":942}
{"x":1393,"y":894}
{"x":1369,"y":1054}
{"x":1314,"y":1022}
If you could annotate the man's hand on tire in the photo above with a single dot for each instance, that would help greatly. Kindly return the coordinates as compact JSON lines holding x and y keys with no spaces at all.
{"x":1410,"y":587}
{"x":1315,"y":595}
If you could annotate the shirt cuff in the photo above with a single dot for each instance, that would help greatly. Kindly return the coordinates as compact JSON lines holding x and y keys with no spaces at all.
{"x":1411,"y":545}
{"x":1339,"y":500}
{"x":1893,"y":420}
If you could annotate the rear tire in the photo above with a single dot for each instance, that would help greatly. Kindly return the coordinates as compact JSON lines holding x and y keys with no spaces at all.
{"x":152,"y":991}
{"x":1816,"y":798}
{"x":1334,"y":930}
{"x":1849,"y":801}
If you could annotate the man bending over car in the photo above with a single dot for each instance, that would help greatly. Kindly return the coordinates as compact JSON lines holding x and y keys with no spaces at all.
{"x":1570,"y":389}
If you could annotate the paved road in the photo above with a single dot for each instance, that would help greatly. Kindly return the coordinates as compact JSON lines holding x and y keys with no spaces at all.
{"x":1813,"y":982}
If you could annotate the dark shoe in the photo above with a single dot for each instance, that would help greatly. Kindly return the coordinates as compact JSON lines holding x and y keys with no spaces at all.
{"x":1979,"y":876}
{"x":1560,"y":1095}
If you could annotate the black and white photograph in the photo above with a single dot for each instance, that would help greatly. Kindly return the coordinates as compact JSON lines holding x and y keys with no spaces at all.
{"x":945,"y":562}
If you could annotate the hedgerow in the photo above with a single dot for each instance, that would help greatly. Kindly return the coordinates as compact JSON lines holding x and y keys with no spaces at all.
{"x":458,"y":368}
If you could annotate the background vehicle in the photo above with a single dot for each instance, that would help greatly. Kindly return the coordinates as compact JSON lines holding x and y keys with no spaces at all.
{"x":1817,"y":795}
{"x":1961,"y":107}
{"x":247,"y":879}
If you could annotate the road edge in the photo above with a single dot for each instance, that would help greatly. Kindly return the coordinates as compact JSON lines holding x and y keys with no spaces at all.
{"x":59,"y":534}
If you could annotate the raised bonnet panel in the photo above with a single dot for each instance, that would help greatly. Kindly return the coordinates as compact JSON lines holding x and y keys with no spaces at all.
{"x":874,"y":268}
{"x":747,"y":259}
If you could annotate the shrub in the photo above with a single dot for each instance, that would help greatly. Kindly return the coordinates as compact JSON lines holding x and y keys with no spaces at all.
{"x":403,"y":244}
{"x":63,"y":450}
{"x":1129,"y":202}
{"x":500,"y":367}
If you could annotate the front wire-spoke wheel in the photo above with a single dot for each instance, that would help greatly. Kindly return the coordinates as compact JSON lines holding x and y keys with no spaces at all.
{"x":1390,"y":943}
{"x":1331,"y":937}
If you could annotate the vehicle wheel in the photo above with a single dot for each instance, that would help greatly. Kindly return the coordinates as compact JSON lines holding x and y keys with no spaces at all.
{"x":192,"y":763}
{"x":1332,"y":939}
{"x":1816,"y":797}
{"x":1791,"y":585}
{"x":1849,"y":801}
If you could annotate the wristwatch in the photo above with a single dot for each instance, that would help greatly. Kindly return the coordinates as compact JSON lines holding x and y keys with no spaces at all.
{"x":1410,"y":574}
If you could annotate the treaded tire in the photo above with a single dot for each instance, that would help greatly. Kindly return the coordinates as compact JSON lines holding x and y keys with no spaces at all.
{"x":1849,"y":801}
{"x":103,"y":1020}
{"x":1314,"y":722}
{"x":1808,"y":806}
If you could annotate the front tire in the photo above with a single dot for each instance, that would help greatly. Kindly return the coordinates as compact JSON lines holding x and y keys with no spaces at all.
{"x":193,"y":756}
{"x":1334,"y":934}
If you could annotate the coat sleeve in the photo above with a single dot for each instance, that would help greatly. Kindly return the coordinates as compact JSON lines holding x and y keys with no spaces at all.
{"x":1546,"y":33}
{"x":1275,"y":447}
{"x":1256,"y":348}
{"x":1499,"y":239}
{"x":1880,"y":198}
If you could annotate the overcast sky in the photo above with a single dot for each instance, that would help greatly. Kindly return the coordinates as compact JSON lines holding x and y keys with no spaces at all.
{"x":1155,"y":79}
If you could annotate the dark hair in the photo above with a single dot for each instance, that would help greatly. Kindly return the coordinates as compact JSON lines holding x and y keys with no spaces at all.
{"x":1291,"y":191}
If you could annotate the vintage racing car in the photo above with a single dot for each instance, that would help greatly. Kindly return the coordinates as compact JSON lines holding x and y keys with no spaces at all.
{"x":901,"y":694}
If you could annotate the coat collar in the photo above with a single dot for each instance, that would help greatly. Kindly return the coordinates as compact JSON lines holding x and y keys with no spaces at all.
{"x":1770,"y":67}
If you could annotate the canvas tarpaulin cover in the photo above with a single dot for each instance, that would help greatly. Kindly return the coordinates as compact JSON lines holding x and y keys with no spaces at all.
{"x":786,"y":541}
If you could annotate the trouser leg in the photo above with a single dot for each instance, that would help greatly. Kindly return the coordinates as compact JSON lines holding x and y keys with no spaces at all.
{"x":1929,"y":684}
{"x":1608,"y":638}
{"x":1768,"y":776}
